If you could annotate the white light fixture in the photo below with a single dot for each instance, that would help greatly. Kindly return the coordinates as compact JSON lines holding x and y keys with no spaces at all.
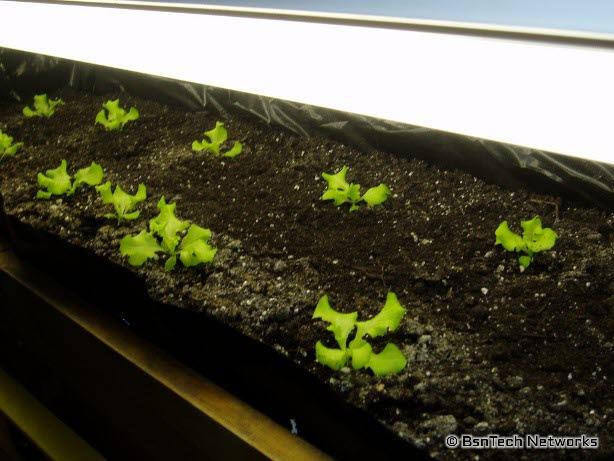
{"x":553,"y":96}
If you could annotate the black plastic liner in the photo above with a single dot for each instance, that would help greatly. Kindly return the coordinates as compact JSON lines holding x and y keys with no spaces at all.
{"x":24,"y":74}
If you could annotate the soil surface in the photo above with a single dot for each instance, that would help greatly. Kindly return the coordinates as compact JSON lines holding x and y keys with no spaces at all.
{"x":490,"y":349}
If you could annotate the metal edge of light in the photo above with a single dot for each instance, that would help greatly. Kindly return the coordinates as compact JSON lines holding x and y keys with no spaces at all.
{"x":442,"y":26}
{"x":549,"y":96}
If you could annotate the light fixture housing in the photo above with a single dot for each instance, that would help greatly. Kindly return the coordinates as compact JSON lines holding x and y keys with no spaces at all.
{"x":542,"y":89}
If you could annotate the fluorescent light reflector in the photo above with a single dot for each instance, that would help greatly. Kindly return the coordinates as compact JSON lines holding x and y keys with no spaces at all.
{"x":550,"y":96}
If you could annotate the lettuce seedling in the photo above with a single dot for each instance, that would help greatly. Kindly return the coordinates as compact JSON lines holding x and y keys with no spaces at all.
{"x":534,"y":239}
{"x":123,"y":202}
{"x":139,"y":248}
{"x":43,"y":106}
{"x":7,"y":148}
{"x":58,"y":181}
{"x":113,"y":117}
{"x":389,"y":361}
{"x":340,"y":191}
{"x":168,"y":227}
{"x":194,"y":248}
{"x":376,"y":195}
{"x":164,"y":235}
{"x":214,"y":139}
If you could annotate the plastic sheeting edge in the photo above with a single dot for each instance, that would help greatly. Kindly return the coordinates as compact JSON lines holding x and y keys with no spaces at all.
{"x":22,"y":74}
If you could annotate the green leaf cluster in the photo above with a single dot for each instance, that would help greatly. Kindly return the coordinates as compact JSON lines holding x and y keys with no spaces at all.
{"x":113,"y":117}
{"x":139,"y":248}
{"x":43,"y":106}
{"x":194,"y":248}
{"x":7,"y":148}
{"x":214,"y":140}
{"x":340,"y":191}
{"x":534,"y":239}
{"x":57,"y":181}
{"x":123,"y":203}
{"x":167,"y":226}
{"x":167,"y":234}
{"x":389,"y":361}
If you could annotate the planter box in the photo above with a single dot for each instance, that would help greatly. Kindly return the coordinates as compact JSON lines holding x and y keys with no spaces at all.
{"x":478,"y":333}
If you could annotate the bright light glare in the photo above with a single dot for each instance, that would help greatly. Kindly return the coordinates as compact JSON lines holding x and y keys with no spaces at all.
{"x":553,"y":97}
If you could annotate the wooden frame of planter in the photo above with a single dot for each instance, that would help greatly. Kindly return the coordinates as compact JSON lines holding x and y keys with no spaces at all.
{"x":123,"y":394}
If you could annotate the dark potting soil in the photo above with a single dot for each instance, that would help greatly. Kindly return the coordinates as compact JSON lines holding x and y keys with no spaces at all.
{"x":489,"y":349}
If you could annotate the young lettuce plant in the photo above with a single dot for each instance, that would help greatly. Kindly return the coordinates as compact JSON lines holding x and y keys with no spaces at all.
{"x":168,"y":228}
{"x":359,"y":352}
{"x":214,"y":140}
{"x":194,"y":248}
{"x":57,"y":181}
{"x":534,"y":239}
{"x":164,"y":235}
{"x":54,"y":182}
{"x":43,"y":106}
{"x":340,"y":191}
{"x":7,"y":147}
{"x":122,"y":202}
{"x":113,"y":117}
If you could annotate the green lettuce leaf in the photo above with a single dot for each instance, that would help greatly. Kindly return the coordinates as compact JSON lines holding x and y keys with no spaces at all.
{"x":332,"y":358}
{"x":535,"y":237}
{"x":376,"y":195}
{"x":139,"y":248}
{"x":361,"y":354}
{"x":390,"y":361}
{"x":122,"y":202}
{"x":167,"y":226}
{"x":194,"y":248}
{"x":213,"y":141}
{"x":508,"y":239}
{"x":7,"y":148}
{"x":340,"y":191}
{"x":337,"y":181}
{"x":91,"y":175}
{"x":235,"y":150}
{"x":525,"y":260}
{"x":54,"y":182}
{"x":170,"y":263}
{"x":43,"y":106}
{"x":387,"y":319}
{"x":341,"y":325}
{"x":113,"y":117}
